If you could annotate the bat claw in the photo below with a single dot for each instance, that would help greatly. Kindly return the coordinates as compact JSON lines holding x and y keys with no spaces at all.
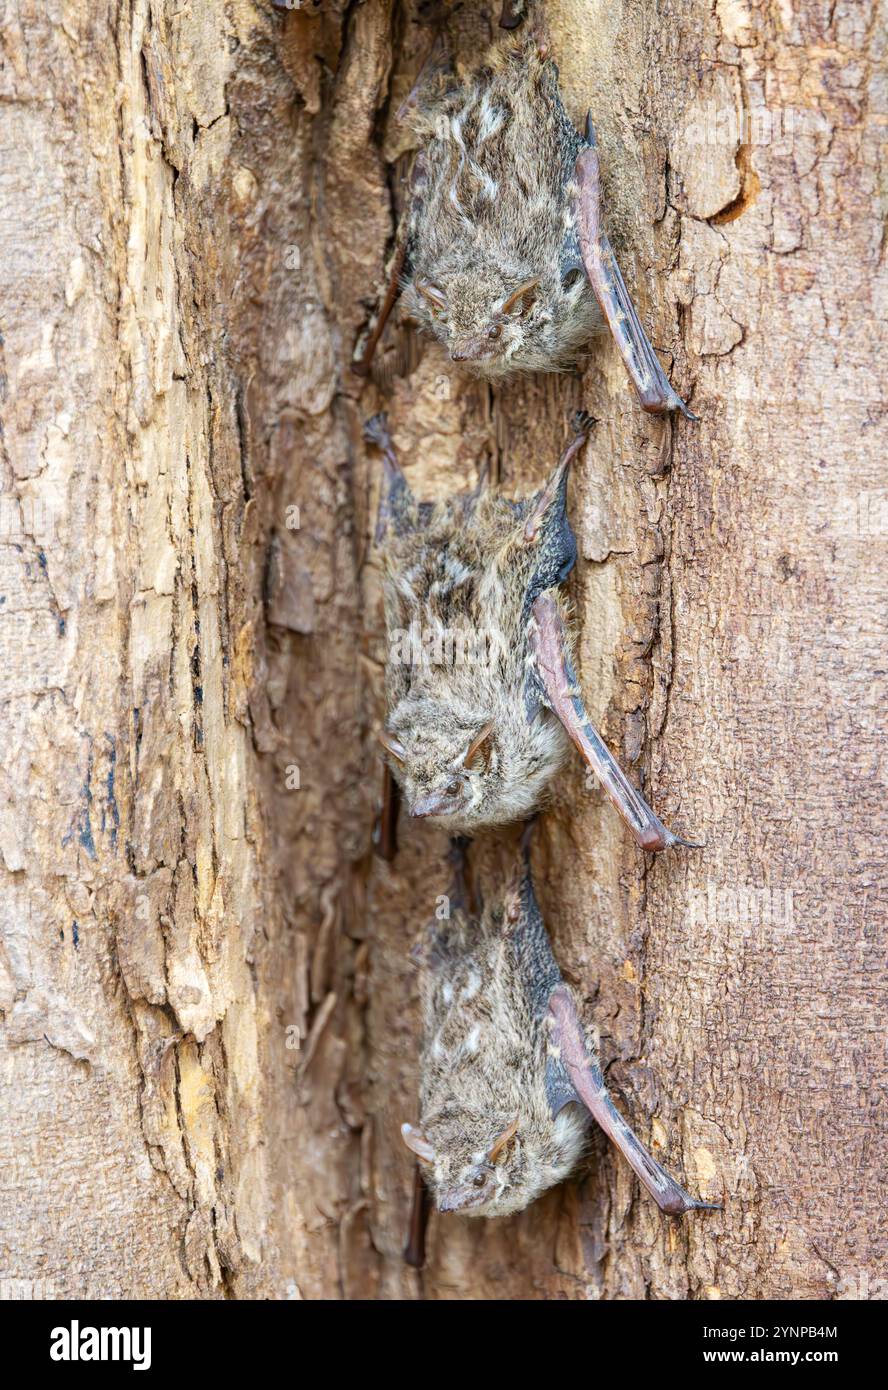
{"x":655,"y":393}
{"x":376,"y":431}
{"x":654,"y":836}
{"x":671,"y":839}
{"x":679,"y":1202}
{"x":583,"y":1073}
{"x":590,"y":131}
{"x":582,"y":423}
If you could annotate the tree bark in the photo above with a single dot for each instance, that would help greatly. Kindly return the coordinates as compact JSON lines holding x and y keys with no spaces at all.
{"x":208,"y":1019}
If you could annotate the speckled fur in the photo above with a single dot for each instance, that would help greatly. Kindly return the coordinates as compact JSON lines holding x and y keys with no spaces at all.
{"x":483,"y":1067}
{"x":462,"y":568}
{"x":494,"y":180}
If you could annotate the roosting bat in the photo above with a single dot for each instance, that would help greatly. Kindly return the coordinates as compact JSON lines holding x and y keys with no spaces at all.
{"x":482,"y":694}
{"x":509,"y":1078}
{"x":501,"y":253}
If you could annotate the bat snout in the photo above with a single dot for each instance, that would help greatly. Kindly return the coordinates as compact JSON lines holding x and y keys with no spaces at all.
{"x":473,"y":350}
{"x":449,"y":1202}
{"x":435,"y":804}
{"x":462,"y":1199}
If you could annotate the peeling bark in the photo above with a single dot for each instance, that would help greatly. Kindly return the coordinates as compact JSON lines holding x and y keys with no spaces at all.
{"x":208,"y":1025}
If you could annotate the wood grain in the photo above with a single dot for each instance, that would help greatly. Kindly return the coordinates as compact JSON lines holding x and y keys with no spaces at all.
{"x":208,"y":1036}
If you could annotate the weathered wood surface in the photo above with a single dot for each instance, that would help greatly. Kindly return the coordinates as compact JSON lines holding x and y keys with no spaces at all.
{"x":196,"y":204}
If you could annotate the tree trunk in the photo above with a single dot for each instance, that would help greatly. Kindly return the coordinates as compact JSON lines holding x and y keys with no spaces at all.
{"x":209,"y":1028}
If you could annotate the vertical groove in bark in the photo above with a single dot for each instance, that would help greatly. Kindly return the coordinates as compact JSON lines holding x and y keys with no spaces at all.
{"x":208,"y":1035}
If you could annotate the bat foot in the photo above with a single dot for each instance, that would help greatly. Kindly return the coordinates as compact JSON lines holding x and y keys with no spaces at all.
{"x":582,"y":423}
{"x":376,"y":431}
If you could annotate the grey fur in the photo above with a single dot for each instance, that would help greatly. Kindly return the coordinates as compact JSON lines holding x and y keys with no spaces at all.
{"x":459,"y":581}
{"x":484,"y":1064}
{"x":496,"y":177}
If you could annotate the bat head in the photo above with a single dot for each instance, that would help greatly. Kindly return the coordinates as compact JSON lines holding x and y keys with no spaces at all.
{"x":466,"y":767}
{"x":486,"y":1165}
{"x":481,"y":315}
{"x":446,"y":760}
{"x":494,"y":322}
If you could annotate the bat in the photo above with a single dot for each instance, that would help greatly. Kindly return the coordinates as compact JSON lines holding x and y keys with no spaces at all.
{"x":509,"y":1078}
{"x":482,"y":693}
{"x":502,"y":253}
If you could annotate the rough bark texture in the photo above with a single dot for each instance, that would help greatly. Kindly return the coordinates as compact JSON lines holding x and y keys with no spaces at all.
{"x":209,"y":1029}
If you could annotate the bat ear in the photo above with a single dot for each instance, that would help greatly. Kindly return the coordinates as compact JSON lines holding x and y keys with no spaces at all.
{"x":500,"y":1146}
{"x":478,"y":743}
{"x":392,"y":745}
{"x":417,"y":1143}
{"x":520,"y":301}
{"x":433,"y":294}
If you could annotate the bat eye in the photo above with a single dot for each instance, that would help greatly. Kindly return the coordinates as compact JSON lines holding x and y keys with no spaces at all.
{"x":571,"y":278}
{"x":454,"y":787}
{"x":494,"y":331}
{"x":479,"y":1180}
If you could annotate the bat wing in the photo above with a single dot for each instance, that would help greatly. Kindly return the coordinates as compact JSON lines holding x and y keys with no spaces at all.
{"x":650,"y":381}
{"x":385,"y":833}
{"x":573,"y":1072}
{"x":548,"y":550}
{"x":547,"y":537}
{"x":543,"y":548}
{"x":415,"y":1249}
{"x":554,"y":672}
{"x":576,"y":1074}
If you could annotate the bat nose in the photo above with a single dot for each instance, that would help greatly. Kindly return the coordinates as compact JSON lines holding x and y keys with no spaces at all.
{"x":468,"y":351}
